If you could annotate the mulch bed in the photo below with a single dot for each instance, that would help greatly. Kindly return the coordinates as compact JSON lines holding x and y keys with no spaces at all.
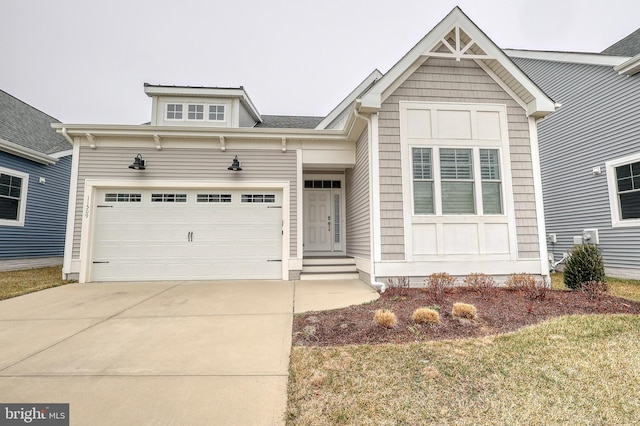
{"x":505,"y":310}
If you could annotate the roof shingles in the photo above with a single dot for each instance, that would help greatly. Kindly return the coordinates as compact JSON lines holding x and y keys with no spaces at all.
{"x":26,"y":126}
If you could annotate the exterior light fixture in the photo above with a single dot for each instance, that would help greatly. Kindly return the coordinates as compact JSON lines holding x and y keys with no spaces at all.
{"x":138,"y":163}
{"x":235,"y":165}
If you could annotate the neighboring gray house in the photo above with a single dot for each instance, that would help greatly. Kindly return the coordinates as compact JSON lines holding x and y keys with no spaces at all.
{"x":35,"y":167}
{"x":590,"y":149}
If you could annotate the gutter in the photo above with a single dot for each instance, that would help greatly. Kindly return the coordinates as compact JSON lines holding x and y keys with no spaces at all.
{"x":379,"y":286}
{"x":27,"y":153}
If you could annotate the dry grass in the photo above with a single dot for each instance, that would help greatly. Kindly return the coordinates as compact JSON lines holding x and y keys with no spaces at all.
{"x":570,"y":370}
{"x":426,"y":316}
{"x":464,"y":310}
{"x":17,"y":283}
{"x":385,"y":318}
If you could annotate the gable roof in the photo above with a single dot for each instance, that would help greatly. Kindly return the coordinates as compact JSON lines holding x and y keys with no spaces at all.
{"x":26,"y":131}
{"x":457,"y":37}
{"x":628,"y":46}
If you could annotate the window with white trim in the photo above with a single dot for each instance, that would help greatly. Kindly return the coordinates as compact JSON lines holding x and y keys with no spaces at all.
{"x":122,"y":198}
{"x":258,"y":198}
{"x":628,"y":190}
{"x":491,"y":186}
{"x":422,"y":160}
{"x":457,"y":182}
{"x":456,"y":173}
{"x":195,"y":112}
{"x":213,"y":198}
{"x":174,"y":111}
{"x":216,"y":112}
{"x":13,"y":197}
{"x":623,"y":178}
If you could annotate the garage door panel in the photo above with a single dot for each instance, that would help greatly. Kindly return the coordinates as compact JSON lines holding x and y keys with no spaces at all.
{"x":174,"y":241}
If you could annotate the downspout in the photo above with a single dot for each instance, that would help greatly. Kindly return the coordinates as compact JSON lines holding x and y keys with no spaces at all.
{"x":66,"y":135}
{"x":381,"y":287}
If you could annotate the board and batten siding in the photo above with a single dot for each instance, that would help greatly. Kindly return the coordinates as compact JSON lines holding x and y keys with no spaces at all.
{"x":599,"y":121}
{"x":358,"y":202}
{"x":43,"y":233}
{"x":187,"y":164}
{"x":446,"y":80}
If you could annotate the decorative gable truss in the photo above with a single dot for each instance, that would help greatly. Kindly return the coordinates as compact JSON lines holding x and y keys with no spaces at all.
{"x":457,"y":44}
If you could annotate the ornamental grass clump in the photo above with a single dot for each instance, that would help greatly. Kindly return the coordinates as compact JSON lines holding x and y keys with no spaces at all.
{"x":385,"y":318}
{"x":464,"y":311}
{"x":426,"y":316}
{"x":484,"y":284}
{"x":594,"y":289}
{"x":437,"y":284}
{"x":585,"y":264}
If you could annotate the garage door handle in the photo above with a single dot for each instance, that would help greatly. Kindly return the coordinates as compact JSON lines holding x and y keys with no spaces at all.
{"x":189,"y":236}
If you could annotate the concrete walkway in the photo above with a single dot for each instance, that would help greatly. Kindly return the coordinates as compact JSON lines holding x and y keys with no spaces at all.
{"x":161,"y":353}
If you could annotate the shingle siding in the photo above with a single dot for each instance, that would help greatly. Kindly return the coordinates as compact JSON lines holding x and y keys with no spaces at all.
{"x":186,"y":164}
{"x":443,"y":80}
{"x":45,"y":219}
{"x":599,"y":121}
{"x":357,"y":202}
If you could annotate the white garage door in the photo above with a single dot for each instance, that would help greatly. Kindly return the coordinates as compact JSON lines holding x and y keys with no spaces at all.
{"x":187,"y":234}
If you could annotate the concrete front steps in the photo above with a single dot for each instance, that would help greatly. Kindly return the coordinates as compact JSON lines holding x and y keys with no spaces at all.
{"x":329,"y":268}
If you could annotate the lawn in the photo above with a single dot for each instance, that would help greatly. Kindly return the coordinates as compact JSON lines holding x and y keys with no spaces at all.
{"x":17,"y":283}
{"x":580,"y":369}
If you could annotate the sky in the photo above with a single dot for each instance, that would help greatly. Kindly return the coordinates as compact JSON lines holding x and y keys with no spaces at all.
{"x":85,"y":61}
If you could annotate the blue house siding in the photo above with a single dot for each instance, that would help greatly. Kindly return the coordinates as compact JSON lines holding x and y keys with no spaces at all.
{"x":45,"y":219}
{"x":599,"y":121}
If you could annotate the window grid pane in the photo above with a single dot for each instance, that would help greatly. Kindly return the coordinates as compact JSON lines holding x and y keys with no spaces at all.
{"x":216,"y":112}
{"x":213,"y":198}
{"x":456,"y":164}
{"x":174,"y":112}
{"x":196,"y":112}
{"x":10,"y":191}
{"x":258,"y":198}
{"x":168,"y":198}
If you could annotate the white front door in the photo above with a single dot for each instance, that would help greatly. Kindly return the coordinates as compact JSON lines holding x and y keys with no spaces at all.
{"x":317,"y":220}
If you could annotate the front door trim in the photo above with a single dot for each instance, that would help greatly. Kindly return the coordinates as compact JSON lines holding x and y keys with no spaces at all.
{"x":337,"y":248}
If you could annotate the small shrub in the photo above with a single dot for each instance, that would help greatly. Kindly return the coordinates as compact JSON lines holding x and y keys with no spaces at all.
{"x":464,"y":310}
{"x":594,"y":289}
{"x":530,"y":287}
{"x":426,"y":316}
{"x":520,"y":281}
{"x":482,"y":283}
{"x":397,"y":286}
{"x":437,"y":284}
{"x":585,"y":264}
{"x":385,"y":318}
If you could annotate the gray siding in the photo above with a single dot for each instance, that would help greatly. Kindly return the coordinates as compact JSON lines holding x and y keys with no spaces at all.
{"x":357,"y":202}
{"x":43,"y":233}
{"x":245,"y":118}
{"x":599,"y":121}
{"x":201,"y":165}
{"x":444,"y":80}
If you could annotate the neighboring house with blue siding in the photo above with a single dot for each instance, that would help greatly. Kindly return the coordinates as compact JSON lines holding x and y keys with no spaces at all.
{"x":590,"y":149}
{"x":35,"y":168}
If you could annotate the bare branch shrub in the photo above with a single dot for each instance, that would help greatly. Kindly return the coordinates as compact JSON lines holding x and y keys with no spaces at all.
{"x":484,"y":284}
{"x":397,"y":286}
{"x":530,"y":287}
{"x":594,"y":289}
{"x":437,"y":284}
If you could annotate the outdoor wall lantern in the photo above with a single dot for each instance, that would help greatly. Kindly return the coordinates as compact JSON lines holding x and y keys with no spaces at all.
{"x":138,"y":163}
{"x":235,"y":165}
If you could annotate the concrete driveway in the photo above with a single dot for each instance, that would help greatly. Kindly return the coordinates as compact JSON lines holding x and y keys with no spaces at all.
{"x":161,"y":353}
